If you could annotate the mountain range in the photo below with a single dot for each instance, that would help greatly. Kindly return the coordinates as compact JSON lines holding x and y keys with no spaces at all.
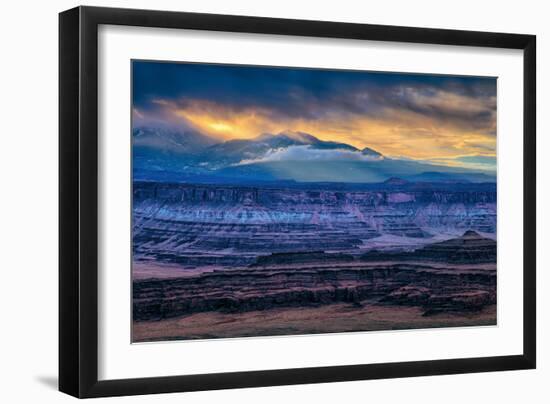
{"x":164,"y":154}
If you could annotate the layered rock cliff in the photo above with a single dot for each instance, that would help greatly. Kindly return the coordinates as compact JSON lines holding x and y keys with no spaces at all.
{"x":222,"y":225}
{"x":432,"y":288}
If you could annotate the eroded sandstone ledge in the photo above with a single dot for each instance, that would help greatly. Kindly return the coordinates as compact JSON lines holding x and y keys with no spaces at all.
{"x":435,"y":289}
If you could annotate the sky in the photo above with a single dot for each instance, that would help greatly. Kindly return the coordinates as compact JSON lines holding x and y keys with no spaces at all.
{"x":448,"y":120}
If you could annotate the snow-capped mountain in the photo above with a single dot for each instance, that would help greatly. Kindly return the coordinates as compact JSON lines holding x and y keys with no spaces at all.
{"x":367,"y":151}
{"x":189,"y":156}
{"x":170,"y":140}
{"x":245,"y":150}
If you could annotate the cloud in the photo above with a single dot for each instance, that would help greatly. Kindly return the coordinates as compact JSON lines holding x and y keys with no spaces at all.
{"x":394,"y":104}
{"x":309,"y":153}
{"x":466,"y":112}
{"x":309,"y":94}
{"x":413,"y":115}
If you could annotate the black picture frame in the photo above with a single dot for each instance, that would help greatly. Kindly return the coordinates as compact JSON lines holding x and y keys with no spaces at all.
{"x":78,"y":201}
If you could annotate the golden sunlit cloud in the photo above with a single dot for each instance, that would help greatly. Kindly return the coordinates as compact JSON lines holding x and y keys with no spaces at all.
{"x":221,"y":127}
{"x":394,"y":133}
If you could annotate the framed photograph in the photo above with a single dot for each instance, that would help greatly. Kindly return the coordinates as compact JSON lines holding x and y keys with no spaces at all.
{"x":251,"y":201}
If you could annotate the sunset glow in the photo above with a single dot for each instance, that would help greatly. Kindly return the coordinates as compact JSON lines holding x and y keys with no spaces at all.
{"x":419,"y":117}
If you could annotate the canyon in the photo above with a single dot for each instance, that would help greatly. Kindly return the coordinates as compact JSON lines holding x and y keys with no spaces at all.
{"x":222,"y":225}
{"x":201,"y":251}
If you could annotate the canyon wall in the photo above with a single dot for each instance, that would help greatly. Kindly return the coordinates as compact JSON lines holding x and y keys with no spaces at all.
{"x":221,"y":225}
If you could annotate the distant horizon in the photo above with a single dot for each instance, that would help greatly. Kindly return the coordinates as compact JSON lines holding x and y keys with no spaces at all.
{"x":179,"y":178}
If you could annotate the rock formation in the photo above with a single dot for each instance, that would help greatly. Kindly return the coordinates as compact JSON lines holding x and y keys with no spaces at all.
{"x":433,"y":289}
{"x":302,"y":279}
{"x":195,"y":225}
{"x":470,"y":248}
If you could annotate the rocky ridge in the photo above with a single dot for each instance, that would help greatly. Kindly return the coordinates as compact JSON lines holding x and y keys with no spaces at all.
{"x":433,"y":289}
{"x":318,"y":278}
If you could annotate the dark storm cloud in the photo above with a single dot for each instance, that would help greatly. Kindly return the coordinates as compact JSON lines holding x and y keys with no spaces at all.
{"x":290,"y":93}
